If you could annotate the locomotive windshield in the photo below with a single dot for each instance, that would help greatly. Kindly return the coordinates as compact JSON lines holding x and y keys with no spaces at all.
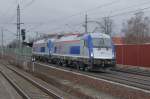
{"x":101,"y":42}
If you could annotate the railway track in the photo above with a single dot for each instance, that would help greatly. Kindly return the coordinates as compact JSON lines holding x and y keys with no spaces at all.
{"x":133,"y":80}
{"x":25,"y":86}
{"x":127,"y":79}
{"x":133,"y":71}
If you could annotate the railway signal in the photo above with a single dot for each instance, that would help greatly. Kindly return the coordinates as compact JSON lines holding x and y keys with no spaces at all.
{"x":23,"y":34}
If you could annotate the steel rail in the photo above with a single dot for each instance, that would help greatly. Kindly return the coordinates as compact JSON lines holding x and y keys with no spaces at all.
{"x":17,"y":88}
{"x":49,"y":92}
{"x":113,"y":77}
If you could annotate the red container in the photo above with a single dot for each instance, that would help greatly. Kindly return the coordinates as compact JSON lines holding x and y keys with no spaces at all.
{"x":136,"y":55}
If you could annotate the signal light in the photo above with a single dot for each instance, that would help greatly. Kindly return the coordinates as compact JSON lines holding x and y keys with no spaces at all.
{"x":23,"y":34}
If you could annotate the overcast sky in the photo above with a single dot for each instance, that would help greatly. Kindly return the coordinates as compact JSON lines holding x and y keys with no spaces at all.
{"x":52,"y":16}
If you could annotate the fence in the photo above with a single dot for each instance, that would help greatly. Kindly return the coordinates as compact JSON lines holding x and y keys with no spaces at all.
{"x":136,"y":55}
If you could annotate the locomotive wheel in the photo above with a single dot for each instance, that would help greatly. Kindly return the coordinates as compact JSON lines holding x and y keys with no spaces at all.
{"x":59,"y":63}
{"x":64,"y":63}
{"x":76,"y":65}
{"x":82,"y":66}
{"x":88,"y":68}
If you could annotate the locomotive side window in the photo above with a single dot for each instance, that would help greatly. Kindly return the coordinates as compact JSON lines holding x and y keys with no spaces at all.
{"x":42,"y":49}
{"x":55,"y":50}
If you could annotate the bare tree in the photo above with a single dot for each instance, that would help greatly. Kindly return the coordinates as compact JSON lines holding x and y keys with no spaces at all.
{"x":137,"y":29}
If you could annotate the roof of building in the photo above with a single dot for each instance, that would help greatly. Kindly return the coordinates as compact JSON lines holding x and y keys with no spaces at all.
{"x":118,"y":40}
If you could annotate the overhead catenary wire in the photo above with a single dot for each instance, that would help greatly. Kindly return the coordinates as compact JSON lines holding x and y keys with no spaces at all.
{"x":89,"y":10}
{"x":133,"y":11}
{"x":136,"y":5}
{"x":14,"y":14}
{"x":79,"y":13}
{"x":28,"y":4}
{"x":103,"y":5}
{"x":126,"y":12}
{"x":7,"y":11}
{"x":62,"y":19}
{"x":100,"y":6}
{"x":129,"y":7}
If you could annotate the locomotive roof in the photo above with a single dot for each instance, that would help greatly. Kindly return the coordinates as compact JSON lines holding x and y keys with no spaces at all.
{"x":40,"y":41}
{"x":77,"y":37}
{"x":99,"y":35}
{"x":73,"y":37}
{"x":69,"y":37}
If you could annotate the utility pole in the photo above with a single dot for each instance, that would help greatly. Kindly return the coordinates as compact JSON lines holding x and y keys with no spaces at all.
{"x":18,"y":25}
{"x":2,"y":45}
{"x":18,"y":28}
{"x":86,"y":24}
{"x":19,"y":33}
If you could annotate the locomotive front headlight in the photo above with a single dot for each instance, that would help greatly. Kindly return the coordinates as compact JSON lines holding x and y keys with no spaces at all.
{"x":92,"y":54}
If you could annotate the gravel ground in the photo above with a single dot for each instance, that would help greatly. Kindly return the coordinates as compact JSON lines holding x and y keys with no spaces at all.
{"x":73,"y":84}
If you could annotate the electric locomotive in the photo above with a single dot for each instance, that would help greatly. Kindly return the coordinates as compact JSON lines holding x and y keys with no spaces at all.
{"x":83,"y":51}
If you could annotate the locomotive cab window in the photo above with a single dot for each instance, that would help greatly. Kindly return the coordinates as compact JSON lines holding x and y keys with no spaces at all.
{"x":101,"y":42}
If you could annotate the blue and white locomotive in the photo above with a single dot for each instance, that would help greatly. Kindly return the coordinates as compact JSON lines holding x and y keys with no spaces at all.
{"x":83,"y":51}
